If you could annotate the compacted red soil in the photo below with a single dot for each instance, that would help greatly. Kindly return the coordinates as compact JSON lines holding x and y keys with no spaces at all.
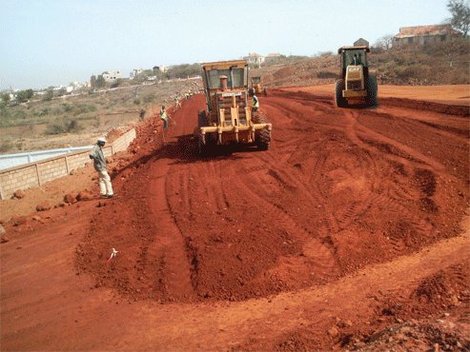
{"x":349,"y":233}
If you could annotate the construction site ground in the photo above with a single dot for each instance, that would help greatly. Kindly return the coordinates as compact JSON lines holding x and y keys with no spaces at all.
{"x":351,"y":233}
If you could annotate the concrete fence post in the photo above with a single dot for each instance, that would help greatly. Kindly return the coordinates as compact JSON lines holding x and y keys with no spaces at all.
{"x":37,"y":174}
{"x":67,"y":167}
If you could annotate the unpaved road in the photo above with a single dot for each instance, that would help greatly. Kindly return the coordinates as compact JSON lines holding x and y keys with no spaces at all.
{"x":350,"y":224}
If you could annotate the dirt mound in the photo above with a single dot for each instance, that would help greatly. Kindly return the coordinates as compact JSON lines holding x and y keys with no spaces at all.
{"x":446,"y":288}
{"x":339,"y":190}
{"x":413,"y":336}
{"x":462,"y":110}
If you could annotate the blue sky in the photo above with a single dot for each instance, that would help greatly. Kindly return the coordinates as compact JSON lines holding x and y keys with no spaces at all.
{"x":53,"y":42}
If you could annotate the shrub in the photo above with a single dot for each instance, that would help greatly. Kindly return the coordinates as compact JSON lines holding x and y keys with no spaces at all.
{"x":326,"y":74}
{"x":67,"y":107}
{"x":63,"y":127}
{"x":149,"y":98}
{"x":48,"y":95}
{"x":24,"y":95}
{"x":43,"y":112}
{"x":5,"y":146}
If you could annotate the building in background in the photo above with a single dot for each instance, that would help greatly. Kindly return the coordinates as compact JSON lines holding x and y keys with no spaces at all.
{"x":254,"y":59}
{"x":361,"y":42}
{"x":110,"y":76}
{"x":422,"y":35}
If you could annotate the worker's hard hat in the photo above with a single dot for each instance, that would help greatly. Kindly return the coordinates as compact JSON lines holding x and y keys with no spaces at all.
{"x":101,"y":140}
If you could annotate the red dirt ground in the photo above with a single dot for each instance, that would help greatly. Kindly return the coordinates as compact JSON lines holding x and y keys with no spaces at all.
{"x":346,"y":234}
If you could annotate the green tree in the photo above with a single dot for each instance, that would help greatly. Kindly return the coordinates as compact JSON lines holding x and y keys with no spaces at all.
{"x":93,"y":81}
{"x":5,"y":98}
{"x":100,"y":81}
{"x":460,"y":11}
{"x":49,"y":95}
{"x":61,"y":92}
{"x":118,"y":82}
{"x":24,"y":95}
{"x":184,"y":70}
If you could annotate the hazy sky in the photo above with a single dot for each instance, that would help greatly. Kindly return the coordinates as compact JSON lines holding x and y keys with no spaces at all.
{"x":52,"y":42}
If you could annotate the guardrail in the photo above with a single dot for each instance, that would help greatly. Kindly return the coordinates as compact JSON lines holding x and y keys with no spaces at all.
{"x":37,"y":173}
{"x":11,"y":160}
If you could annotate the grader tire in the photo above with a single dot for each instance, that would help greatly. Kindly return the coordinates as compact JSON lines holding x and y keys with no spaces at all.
{"x":263,"y":137}
{"x":339,"y":99}
{"x":263,"y":140}
{"x":371,"y":90}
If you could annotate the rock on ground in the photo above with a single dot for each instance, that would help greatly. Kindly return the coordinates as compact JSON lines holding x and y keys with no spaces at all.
{"x":43,"y":206}
{"x":19,"y":194}
{"x":70,"y":198}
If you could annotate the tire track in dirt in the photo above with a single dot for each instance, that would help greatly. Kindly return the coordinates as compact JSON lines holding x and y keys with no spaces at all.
{"x":317,"y":256}
{"x":322,"y":202}
{"x":391,"y":149}
{"x":397,"y":192}
{"x":310,"y":157}
{"x":171,"y":250}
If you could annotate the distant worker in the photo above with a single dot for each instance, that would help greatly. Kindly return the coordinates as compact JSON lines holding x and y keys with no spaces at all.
{"x":164,"y":117}
{"x":142,"y":114}
{"x":255,"y":100}
{"x":99,"y":162}
{"x":177,"y":102}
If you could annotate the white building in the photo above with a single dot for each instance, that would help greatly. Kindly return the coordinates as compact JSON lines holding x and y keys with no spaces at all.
{"x":160,"y":68}
{"x":111,"y":75}
{"x":254,"y":59}
{"x":135,"y":72}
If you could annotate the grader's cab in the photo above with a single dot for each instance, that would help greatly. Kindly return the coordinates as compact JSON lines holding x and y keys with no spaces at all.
{"x":229,"y":118}
{"x":257,"y":85}
{"x":357,"y":84}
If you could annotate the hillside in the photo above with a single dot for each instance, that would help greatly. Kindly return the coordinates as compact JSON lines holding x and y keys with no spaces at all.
{"x":443,"y":63}
{"x":76,"y":120}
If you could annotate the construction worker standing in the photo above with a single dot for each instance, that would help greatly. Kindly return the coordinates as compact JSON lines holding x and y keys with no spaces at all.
{"x":142,"y":114}
{"x":164,"y":117}
{"x":255,"y":100}
{"x":99,"y":162}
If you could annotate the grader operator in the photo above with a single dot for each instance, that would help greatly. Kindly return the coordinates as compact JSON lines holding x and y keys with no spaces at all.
{"x":357,"y":84}
{"x":229,"y":118}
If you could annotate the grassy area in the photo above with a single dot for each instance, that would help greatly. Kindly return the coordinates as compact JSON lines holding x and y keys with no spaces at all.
{"x":77,"y":120}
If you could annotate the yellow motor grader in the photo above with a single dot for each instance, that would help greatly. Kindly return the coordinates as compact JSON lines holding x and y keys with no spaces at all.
{"x":357,"y":84}
{"x":229,"y":118}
